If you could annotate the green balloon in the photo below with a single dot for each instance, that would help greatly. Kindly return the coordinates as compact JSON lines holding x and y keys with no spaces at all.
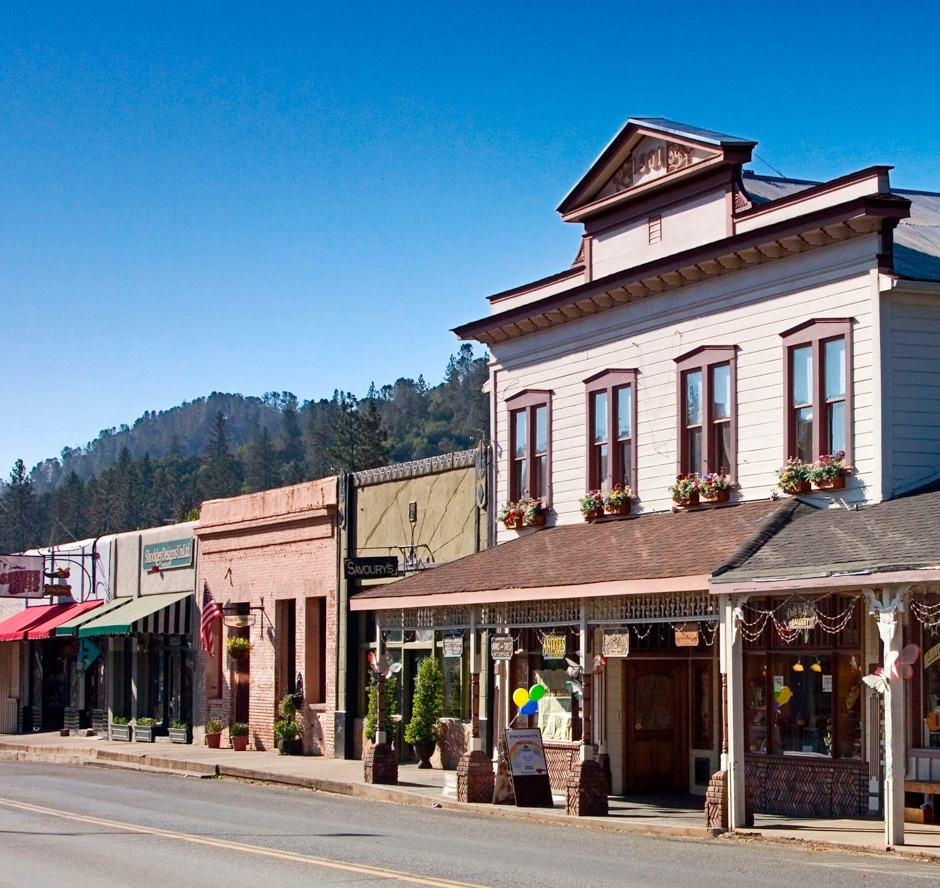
{"x":536,"y":692}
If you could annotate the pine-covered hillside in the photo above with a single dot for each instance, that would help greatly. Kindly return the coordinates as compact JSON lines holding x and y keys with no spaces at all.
{"x":159,"y":469}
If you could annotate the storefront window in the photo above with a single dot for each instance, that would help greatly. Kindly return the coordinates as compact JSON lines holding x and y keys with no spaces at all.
{"x":931,"y":687}
{"x":803,"y":689}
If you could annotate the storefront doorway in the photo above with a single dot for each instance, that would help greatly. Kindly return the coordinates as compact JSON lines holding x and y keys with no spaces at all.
{"x":655,"y":736}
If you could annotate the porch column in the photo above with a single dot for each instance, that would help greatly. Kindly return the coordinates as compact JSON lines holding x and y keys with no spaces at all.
{"x":732,"y":686}
{"x":586,"y":786}
{"x":475,"y":776}
{"x":886,"y":609}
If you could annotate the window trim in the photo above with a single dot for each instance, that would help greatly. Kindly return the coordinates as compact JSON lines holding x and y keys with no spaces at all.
{"x":529,"y":400}
{"x":815,"y":333}
{"x":703,"y":359}
{"x":609,"y":381}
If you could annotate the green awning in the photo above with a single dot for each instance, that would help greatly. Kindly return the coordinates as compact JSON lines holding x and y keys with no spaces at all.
{"x":70,"y":627}
{"x":170,"y":613}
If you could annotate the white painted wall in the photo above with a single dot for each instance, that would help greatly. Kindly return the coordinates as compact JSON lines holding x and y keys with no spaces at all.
{"x":911,"y":325}
{"x":748,"y":309}
{"x":687,"y":225}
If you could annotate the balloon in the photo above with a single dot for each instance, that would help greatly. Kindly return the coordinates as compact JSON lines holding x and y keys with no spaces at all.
{"x":530,"y":708}
{"x":520,"y":696}
{"x":536,"y":692}
{"x":783,"y":695}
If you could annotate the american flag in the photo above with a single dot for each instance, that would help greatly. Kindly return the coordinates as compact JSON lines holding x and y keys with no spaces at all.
{"x":210,"y":613}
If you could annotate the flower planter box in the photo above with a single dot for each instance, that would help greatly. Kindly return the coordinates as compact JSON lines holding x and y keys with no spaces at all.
{"x":719,"y":496}
{"x":798,"y":488}
{"x":618,"y":510}
{"x":240,"y":743}
{"x":686,"y":502}
{"x":179,"y":735}
{"x":144,"y":733}
{"x":514,"y":523}
{"x":591,"y":516}
{"x":214,"y":741}
{"x":535,"y":521}
{"x":124,"y":733}
{"x":837,"y":482}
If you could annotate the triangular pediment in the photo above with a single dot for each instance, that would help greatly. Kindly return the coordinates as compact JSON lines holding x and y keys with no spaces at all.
{"x":649,"y":153}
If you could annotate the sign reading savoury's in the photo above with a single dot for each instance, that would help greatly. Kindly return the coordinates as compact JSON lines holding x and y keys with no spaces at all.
{"x":528,"y":768}
{"x":172,"y":553}
{"x":371,"y":568}
{"x":453,"y":645}
{"x":615,"y":643}
{"x":501,"y":647}
{"x":687,"y":636}
{"x":554,"y":647}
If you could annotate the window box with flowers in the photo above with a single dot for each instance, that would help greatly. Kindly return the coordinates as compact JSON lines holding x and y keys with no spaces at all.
{"x":527,"y":512}
{"x":828,"y":472}
{"x":687,"y":490}
{"x":715,"y":487}
{"x":592,"y":505}
{"x":618,"y":501}
{"x":535,"y":512}
{"x":794,"y":477}
{"x":511,"y":514}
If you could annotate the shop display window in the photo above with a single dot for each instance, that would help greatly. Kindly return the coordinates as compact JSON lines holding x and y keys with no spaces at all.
{"x":930,"y":665}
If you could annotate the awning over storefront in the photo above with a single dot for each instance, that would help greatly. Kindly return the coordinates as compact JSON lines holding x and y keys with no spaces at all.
{"x":165,"y":614}
{"x":72,"y":624}
{"x":47,"y":627}
{"x":14,"y":628}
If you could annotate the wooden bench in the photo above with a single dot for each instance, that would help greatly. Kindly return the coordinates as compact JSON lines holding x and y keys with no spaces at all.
{"x":917,"y":814}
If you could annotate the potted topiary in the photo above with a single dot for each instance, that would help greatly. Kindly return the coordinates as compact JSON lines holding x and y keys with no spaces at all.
{"x":426,"y":709}
{"x":178,"y":731}
{"x":289,"y":727}
{"x":238,"y":734}
{"x":214,"y":728}
{"x":144,"y":729}
{"x":238,"y":648}
{"x":120,"y":728}
{"x":372,"y":711}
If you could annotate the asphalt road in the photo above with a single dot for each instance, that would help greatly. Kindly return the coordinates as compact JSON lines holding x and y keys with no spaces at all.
{"x":71,"y":827}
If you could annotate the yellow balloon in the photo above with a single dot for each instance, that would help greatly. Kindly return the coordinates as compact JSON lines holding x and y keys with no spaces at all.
{"x":520,"y":696}
{"x":783,"y":695}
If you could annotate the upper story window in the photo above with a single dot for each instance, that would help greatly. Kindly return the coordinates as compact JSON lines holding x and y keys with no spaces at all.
{"x":529,"y":444}
{"x":708,"y":410}
{"x":611,"y":414}
{"x":817,"y":383}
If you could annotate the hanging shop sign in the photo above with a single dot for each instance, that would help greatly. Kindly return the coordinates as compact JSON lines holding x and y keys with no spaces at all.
{"x":21,"y":576}
{"x":799,"y":615}
{"x":371,"y":568}
{"x":931,"y":656}
{"x":501,"y":647}
{"x":59,"y":589}
{"x":554,"y":647}
{"x":167,"y":555}
{"x":615,"y":643}
{"x":687,"y":636}
{"x":453,"y":645}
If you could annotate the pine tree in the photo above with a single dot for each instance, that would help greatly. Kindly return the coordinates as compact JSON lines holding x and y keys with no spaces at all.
{"x":220,"y":474}
{"x":261,"y":468}
{"x":19,"y":511}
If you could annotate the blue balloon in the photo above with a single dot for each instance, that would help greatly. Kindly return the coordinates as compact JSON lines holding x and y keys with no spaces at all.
{"x":530,"y":708}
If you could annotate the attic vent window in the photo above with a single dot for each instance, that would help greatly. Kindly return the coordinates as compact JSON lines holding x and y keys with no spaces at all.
{"x":655,"y":229}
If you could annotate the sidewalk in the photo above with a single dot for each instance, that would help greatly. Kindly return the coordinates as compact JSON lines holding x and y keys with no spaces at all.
{"x":673,"y":817}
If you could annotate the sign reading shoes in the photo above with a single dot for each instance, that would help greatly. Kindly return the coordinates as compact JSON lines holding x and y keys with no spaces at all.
{"x":172,"y":553}
{"x":374,"y":568}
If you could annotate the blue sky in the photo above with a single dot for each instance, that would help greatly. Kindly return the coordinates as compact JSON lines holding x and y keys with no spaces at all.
{"x":219,"y":197}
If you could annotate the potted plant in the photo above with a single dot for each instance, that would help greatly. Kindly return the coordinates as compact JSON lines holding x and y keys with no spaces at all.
{"x":144,"y":729}
{"x":238,"y":647}
{"x":179,"y":731}
{"x":214,"y":728}
{"x":120,"y":728}
{"x":592,"y":505}
{"x":618,"y":500}
{"x":828,"y":472}
{"x":686,"y":490}
{"x":794,"y":477}
{"x":512,"y":514}
{"x":238,"y":734}
{"x":715,"y":487}
{"x":372,"y":712}
{"x":289,"y":727}
{"x":427,"y":706}
{"x":534,"y":512}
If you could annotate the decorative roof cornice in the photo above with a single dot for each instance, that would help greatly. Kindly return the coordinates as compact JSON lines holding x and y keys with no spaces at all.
{"x":432,"y":465}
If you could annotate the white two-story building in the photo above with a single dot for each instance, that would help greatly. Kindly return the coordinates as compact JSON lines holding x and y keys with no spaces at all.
{"x":713,"y":321}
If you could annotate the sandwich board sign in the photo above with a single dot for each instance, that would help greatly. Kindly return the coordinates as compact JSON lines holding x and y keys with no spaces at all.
{"x":528,"y":768}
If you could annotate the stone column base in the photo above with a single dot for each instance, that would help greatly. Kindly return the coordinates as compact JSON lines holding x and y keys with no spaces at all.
{"x":586,"y":790}
{"x":380,"y":764}
{"x":716,"y":804}
{"x":475,"y":779}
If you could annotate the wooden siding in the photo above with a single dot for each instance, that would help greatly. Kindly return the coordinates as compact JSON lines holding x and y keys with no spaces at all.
{"x":749,"y":310}
{"x":912,"y":422}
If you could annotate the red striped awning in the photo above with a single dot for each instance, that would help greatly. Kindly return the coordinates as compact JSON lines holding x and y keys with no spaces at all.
{"x":46,"y":628}
{"x":14,"y":628}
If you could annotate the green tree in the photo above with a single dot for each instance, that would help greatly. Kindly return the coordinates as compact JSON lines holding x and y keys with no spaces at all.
{"x":427,"y":704}
{"x":261,"y":465}
{"x":19,"y":511}
{"x":220,"y":470}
